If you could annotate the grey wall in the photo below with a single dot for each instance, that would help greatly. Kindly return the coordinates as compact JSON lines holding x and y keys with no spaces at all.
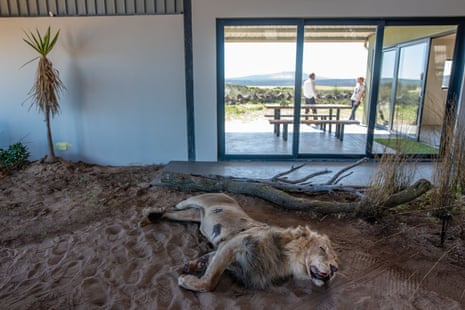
{"x":125,"y":97}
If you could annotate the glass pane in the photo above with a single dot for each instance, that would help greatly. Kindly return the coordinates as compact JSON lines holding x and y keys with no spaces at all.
{"x":337,"y":56}
{"x":437,"y":83}
{"x":383,"y":115}
{"x":412,"y":63}
{"x":259,"y":63}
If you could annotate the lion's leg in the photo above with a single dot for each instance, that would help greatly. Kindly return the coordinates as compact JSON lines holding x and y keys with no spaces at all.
{"x":186,"y":215}
{"x":188,"y":210}
{"x":223,"y":257}
{"x":198,"y":265}
{"x":152,"y":215}
{"x":195,"y":202}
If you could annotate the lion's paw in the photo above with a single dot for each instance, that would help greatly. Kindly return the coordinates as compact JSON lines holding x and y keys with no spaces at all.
{"x":153,"y":210}
{"x":151,"y":215}
{"x":198,"y":265}
{"x":192,"y":283}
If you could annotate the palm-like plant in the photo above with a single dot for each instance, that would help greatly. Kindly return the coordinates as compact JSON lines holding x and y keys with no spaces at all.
{"x":47,"y":85}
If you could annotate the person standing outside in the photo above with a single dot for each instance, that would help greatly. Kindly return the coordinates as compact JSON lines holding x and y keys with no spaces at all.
{"x":309,"y":91}
{"x":357,"y":95}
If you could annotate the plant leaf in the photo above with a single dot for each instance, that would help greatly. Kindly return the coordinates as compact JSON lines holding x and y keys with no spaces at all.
{"x":54,"y":40}
{"x":42,"y":44}
{"x":33,"y":59}
{"x":46,"y":41}
{"x":34,"y":42}
{"x":31,"y":44}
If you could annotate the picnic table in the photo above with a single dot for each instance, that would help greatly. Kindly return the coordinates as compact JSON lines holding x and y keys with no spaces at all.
{"x":327,"y":115}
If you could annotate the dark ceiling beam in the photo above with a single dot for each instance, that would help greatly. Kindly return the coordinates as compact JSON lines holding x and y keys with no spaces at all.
{"x":31,"y":8}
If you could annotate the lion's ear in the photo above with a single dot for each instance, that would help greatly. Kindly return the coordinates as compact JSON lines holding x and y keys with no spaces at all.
{"x":308,"y":231}
{"x":303,"y":231}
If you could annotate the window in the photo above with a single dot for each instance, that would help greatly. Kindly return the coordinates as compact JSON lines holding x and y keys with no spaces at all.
{"x":263,"y":66}
{"x":259,"y":70}
{"x":412,"y":96}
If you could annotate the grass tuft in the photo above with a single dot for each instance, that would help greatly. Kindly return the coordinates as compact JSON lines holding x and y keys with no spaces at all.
{"x":407,"y":146}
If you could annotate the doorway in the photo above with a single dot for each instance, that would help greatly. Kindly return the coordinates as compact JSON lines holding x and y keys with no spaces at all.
{"x":264,"y":69}
{"x":414,"y":83}
{"x":263,"y":64}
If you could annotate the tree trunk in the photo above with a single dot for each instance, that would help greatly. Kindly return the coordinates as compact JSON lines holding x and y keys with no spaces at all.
{"x":51,"y":153}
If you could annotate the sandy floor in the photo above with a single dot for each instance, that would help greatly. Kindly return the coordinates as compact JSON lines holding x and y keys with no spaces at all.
{"x":69,"y":239}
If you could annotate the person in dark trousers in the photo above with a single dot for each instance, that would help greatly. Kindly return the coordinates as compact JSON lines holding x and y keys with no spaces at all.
{"x":309,"y":91}
{"x":357,"y":96}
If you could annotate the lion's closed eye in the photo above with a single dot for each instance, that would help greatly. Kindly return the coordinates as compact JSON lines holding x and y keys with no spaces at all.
{"x":323,"y":250}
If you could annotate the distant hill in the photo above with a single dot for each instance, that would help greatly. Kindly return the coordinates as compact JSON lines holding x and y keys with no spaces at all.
{"x":286,"y":79}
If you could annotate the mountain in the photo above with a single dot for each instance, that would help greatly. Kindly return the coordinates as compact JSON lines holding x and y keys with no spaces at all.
{"x":285,"y":79}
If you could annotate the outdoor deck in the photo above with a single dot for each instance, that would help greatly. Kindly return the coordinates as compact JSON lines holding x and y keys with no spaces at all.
{"x":258,"y":139}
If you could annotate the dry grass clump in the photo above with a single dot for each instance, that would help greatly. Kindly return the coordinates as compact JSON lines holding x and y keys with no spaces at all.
{"x":449,"y":170}
{"x":395,"y":172}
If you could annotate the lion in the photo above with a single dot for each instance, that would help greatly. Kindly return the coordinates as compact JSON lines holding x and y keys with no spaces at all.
{"x":255,"y":253}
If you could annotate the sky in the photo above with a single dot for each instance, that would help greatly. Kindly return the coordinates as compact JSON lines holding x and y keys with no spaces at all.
{"x":330,"y":60}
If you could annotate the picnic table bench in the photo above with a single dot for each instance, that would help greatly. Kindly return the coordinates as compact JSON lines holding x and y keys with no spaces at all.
{"x":330,"y":116}
{"x":339,"y":123}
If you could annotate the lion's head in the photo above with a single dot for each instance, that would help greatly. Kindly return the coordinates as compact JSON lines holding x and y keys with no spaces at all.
{"x":321,"y":261}
{"x":316,"y":259}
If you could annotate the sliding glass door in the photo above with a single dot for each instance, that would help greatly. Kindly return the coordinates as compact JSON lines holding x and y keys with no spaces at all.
{"x":409,"y":88}
{"x":337,"y":55}
{"x":259,"y":73}
{"x":413,"y":87}
{"x":264,"y":65}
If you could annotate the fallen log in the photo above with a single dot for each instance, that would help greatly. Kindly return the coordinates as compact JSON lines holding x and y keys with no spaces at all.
{"x":278,"y":192}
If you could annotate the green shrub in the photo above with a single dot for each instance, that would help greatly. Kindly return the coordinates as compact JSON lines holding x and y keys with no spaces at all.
{"x":13,"y":158}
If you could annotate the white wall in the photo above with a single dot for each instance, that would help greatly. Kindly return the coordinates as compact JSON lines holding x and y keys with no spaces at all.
{"x":125,"y":97}
{"x":206,"y":12}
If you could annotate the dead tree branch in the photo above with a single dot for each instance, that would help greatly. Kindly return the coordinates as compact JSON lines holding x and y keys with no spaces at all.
{"x":278,"y":188}
{"x":335,"y":179}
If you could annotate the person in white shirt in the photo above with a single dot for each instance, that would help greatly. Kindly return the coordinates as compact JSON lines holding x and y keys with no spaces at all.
{"x":357,"y":96}
{"x":309,"y":91}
